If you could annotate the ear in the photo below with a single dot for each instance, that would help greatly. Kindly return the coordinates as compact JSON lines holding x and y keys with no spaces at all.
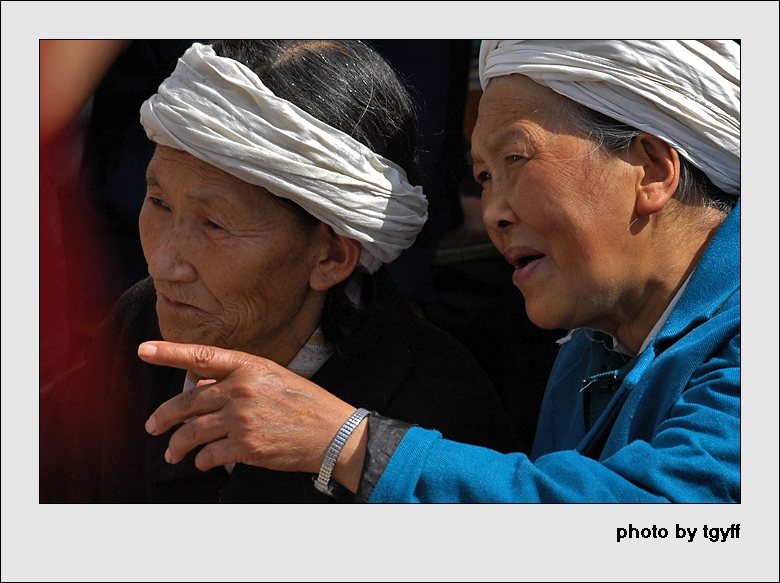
{"x":659,"y":173}
{"x":339,"y":258}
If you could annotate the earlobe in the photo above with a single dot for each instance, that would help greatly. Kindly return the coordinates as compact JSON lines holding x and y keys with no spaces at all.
{"x":339,"y":259}
{"x":660,"y":173}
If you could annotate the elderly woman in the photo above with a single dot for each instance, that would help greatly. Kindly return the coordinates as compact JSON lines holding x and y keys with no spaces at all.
{"x":274,"y":198}
{"x":611,"y":181}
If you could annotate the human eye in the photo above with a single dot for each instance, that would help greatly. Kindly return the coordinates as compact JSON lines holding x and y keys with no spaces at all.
{"x":217,"y":222}
{"x":158,"y":202}
{"x":479,"y":169}
{"x":482,"y":177}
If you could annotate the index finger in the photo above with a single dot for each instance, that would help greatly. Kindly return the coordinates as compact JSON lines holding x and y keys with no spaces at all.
{"x":207,"y":361}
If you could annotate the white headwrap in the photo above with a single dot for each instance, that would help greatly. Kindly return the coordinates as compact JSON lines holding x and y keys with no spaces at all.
{"x":219,"y":111}
{"x":686,"y":92}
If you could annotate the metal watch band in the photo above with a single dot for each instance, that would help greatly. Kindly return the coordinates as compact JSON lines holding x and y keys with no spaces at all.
{"x":322,"y":482}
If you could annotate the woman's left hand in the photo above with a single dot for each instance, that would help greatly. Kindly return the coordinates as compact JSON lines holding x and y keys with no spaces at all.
{"x":257,"y":412}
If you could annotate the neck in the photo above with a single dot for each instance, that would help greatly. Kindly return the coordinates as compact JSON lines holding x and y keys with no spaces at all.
{"x":286,"y":340}
{"x":672,"y":248}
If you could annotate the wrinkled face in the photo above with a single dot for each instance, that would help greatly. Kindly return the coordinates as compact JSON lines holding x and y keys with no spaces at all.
{"x":557,"y":209}
{"x":230,"y":264}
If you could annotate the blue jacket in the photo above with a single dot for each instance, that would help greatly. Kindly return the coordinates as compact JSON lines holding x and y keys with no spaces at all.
{"x":668,"y":430}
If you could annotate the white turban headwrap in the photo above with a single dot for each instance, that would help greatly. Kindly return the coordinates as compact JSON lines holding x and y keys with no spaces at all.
{"x":219,"y":111}
{"x":686,"y":92}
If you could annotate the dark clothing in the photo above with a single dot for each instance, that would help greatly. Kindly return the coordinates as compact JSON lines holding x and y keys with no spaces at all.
{"x":94,"y":447}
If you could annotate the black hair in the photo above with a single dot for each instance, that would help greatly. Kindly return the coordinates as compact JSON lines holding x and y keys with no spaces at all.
{"x":351,"y":87}
{"x":344,"y":83}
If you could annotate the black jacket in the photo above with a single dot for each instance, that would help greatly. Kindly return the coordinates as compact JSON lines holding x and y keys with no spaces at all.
{"x":94,"y":447}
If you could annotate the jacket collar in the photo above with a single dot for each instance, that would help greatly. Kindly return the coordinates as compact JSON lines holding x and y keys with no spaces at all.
{"x":714,"y":280}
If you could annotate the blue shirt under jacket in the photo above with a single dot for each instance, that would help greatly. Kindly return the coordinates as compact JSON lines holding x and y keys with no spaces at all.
{"x":669,"y":430}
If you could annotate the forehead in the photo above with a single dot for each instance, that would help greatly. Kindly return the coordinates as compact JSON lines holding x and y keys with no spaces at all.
{"x":511,"y":101}
{"x":520,"y":92}
{"x":178,"y":171}
{"x":167,"y":159}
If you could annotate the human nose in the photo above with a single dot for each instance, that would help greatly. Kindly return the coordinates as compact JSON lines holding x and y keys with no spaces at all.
{"x":168,"y":260}
{"x":497,"y":214}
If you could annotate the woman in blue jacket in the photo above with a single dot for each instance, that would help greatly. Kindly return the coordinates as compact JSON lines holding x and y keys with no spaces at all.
{"x":611,"y":182}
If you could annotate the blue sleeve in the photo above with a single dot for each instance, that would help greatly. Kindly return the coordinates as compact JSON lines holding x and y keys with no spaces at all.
{"x":693,"y":456}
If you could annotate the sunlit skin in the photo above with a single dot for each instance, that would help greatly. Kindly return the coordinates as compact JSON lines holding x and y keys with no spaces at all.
{"x":583,"y":229}
{"x":231,"y":266}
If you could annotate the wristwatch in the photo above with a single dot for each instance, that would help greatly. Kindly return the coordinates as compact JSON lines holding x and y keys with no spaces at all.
{"x":322,"y":482}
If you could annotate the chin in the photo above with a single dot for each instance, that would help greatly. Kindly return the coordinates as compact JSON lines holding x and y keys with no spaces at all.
{"x":543,"y":318}
{"x":184,"y":336}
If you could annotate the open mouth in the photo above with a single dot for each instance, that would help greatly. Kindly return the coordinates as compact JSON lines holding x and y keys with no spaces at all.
{"x":524,"y":261}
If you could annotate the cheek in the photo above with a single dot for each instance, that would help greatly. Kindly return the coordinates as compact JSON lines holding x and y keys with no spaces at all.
{"x":149,"y":230}
{"x":263,"y":280}
{"x":257,"y":308}
{"x":563,"y":199}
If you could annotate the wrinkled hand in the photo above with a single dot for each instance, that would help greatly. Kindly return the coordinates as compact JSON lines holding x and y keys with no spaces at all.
{"x":257,"y":412}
